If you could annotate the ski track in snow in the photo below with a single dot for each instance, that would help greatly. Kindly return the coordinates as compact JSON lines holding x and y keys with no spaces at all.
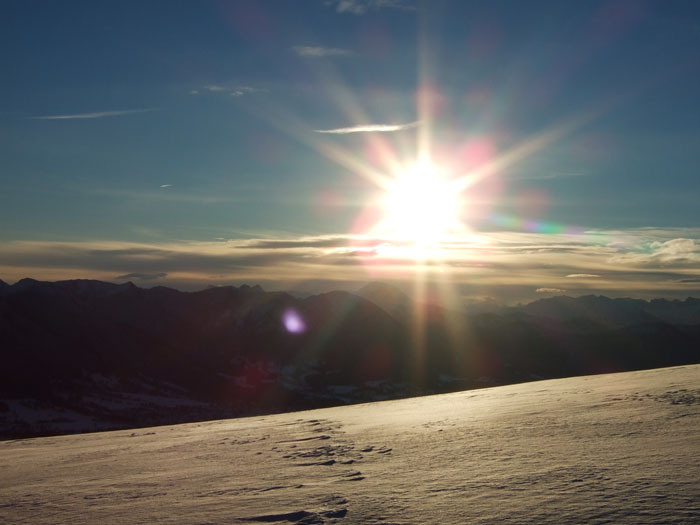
{"x":619,"y":448}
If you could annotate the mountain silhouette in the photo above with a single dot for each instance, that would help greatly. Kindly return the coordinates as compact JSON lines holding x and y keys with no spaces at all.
{"x":86,"y":355}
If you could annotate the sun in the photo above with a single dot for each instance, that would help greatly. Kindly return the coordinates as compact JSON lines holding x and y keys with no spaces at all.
{"x":421,"y":205}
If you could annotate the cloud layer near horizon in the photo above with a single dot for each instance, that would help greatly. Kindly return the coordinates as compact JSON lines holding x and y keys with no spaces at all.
{"x":508,"y":265}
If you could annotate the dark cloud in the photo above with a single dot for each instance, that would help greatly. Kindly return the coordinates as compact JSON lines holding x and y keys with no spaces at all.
{"x":129,"y":252}
{"x":145,"y":260}
{"x":331,"y":242}
{"x":322,"y":242}
{"x":142,"y":276}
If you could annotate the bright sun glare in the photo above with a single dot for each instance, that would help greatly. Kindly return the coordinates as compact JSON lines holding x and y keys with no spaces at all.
{"x":421,"y":206}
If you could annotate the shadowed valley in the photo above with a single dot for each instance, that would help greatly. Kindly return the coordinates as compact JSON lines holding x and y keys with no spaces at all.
{"x":88,"y":355}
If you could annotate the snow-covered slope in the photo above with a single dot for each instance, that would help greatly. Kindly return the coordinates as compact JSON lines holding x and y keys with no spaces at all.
{"x":621,"y":448}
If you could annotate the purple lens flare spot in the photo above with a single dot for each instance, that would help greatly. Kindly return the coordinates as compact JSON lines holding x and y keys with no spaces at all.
{"x":293,"y":322}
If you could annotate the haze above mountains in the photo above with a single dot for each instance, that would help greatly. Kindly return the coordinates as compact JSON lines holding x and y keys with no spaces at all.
{"x":88,"y":355}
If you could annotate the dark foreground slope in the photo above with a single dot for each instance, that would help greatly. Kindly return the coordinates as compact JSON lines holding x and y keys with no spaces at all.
{"x":619,"y":448}
{"x":88,"y":355}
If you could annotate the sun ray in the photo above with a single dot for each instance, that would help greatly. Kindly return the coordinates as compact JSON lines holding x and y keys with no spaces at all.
{"x":296,"y":128}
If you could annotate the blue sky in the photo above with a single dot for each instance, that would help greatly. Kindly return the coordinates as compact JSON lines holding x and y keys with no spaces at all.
{"x":176,"y":142}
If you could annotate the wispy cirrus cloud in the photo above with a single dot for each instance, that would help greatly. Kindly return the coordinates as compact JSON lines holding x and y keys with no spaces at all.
{"x":165,"y":192}
{"x":370,"y":128}
{"x":96,"y":114}
{"x":234,"y":90}
{"x":360,"y":7}
{"x":549,"y":175}
{"x":320,"y":52}
{"x":239,"y":91}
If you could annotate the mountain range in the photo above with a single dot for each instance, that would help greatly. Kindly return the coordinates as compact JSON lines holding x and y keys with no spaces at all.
{"x":86,"y":355}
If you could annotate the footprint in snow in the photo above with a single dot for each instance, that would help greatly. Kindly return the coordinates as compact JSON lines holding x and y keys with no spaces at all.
{"x":299,"y":516}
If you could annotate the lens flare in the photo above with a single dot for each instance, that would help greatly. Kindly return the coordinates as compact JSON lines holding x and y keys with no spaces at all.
{"x":293,"y":322}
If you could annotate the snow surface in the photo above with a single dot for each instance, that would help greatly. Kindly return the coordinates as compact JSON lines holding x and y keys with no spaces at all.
{"x":619,"y":448}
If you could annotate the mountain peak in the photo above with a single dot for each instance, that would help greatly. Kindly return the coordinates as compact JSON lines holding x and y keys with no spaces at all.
{"x":26,"y":283}
{"x":92,"y":286}
{"x":256,"y":288}
{"x":382,"y":292}
{"x":389,"y":298}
